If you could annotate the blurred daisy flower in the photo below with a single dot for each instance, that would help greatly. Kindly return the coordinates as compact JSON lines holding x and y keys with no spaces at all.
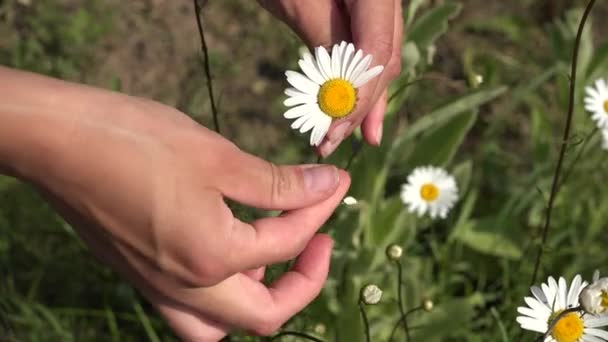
{"x":327,"y":89}
{"x":594,"y":298}
{"x":596,"y":102}
{"x":549,"y":301}
{"x":430,"y":189}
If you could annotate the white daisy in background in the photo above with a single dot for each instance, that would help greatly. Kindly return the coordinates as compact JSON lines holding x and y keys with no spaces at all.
{"x":594,"y":298}
{"x":551,"y":299}
{"x":596,"y":102}
{"x":327,"y":89}
{"x":430,"y":189}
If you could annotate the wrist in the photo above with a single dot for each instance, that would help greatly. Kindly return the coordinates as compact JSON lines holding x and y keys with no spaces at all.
{"x":37,"y":118}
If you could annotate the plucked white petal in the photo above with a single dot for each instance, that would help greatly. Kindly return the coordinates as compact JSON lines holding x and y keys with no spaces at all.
{"x":368,"y":75}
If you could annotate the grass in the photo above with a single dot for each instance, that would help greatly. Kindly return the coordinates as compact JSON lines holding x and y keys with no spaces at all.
{"x":500,"y":139}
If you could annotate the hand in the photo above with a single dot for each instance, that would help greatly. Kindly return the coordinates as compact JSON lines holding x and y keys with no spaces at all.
{"x":376,"y":27}
{"x":144,"y":186}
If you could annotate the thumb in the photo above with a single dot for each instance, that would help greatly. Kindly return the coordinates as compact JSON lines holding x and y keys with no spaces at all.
{"x":255,"y":182}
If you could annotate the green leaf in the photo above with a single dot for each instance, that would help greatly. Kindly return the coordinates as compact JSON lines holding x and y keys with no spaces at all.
{"x":433,"y":24}
{"x":439,"y":146}
{"x":446,"y":113}
{"x":599,"y":63}
{"x":449,"y":319}
{"x":463,"y":172}
{"x":489,"y":236}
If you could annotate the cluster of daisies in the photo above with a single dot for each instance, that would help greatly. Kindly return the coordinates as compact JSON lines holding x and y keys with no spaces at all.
{"x":596,"y":103}
{"x":567,"y":314}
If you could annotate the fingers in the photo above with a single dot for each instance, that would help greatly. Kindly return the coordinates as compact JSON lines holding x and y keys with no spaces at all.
{"x":261,"y":184}
{"x":187,"y":324}
{"x":277,"y":239}
{"x":379,"y":36}
{"x":317,"y":23}
{"x":243,"y":302}
{"x":371,"y":128}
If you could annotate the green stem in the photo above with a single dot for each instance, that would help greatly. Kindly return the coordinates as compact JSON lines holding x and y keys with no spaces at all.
{"x":564,"y":143}
{"x":365,"y":321}
{"x":205,"y":49}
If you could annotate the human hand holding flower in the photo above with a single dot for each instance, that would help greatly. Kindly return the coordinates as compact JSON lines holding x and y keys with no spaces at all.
{"x":374,"y":26}
{"x":144,"y":186}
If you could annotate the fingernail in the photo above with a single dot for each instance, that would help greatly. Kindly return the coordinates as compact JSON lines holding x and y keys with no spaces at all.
{"x":320,"y":178}
{"x":329,"y":147}
{"x":379,"y":134}
{"x":338,"y":133}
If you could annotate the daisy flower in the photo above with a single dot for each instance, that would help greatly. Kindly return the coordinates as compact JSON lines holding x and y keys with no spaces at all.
{"x":596,"y":102}
{"x":430,"y":189}
{"x":327,"y":88}
{"x":551,"y":299}
{"x":594,"y":298}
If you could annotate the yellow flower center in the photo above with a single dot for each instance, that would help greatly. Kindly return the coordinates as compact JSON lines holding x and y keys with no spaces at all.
{"x":429,"y":192}
{"x":568,"y":329}
{"x":606,"y":106}
{"x":337,"y":98}
{"x":604,"y":303}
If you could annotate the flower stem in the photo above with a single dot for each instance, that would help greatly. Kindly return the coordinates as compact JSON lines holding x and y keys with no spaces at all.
{"x":400,"y":300}
{"x":365,"y":321}
{"x":564,"y":142}
{"x":204,"y":48}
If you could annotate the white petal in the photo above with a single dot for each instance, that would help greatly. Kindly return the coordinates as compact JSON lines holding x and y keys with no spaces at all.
{"x":298,"y":111}
{"x":297,"y":100}
{"x":346,"y":59}
{"x":562,"y":292}
{"x":302,"y":83}
{"x":320,"y":130}
{"x":360,"y":68}
{"x":539,"y":294}
{"x":323,"y":62}
{"x":536,"y":305}
{"x":300,"y":121}
{"x":597,"y":332}
{"x":575,"y":288}
{"x":353,"y":64}
{"x":591,"y":338}
{"x":368,"y":75}
{"x":307,"y":64}
{"x":293,"y":92}
{"x":532,"y":324}
{"x":596,"y":322}
{"x":336,"y":58}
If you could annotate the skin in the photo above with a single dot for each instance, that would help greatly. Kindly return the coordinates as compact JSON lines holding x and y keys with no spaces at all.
{"x":144,"y":186}
{"x":376,"y":27}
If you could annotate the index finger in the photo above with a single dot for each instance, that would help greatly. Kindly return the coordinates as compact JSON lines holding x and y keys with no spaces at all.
{"x":373,"y":31}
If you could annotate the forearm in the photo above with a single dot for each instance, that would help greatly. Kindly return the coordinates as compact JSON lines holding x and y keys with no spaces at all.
{"x":38,"y":116}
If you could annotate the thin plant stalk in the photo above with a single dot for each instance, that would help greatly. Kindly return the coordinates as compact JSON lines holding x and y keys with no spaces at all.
{"x":564,"y":143}
{"x":206,"y":63}
{"x":365,"y":321}
{"x":400,"y":300}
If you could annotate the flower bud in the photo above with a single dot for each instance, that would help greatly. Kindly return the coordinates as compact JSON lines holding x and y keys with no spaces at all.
{"x":394,"y":252}
{"x":371,"y":294}
{"x":427,"y":305}
{"x":594,"y":298}
{"x":320,"y":329}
